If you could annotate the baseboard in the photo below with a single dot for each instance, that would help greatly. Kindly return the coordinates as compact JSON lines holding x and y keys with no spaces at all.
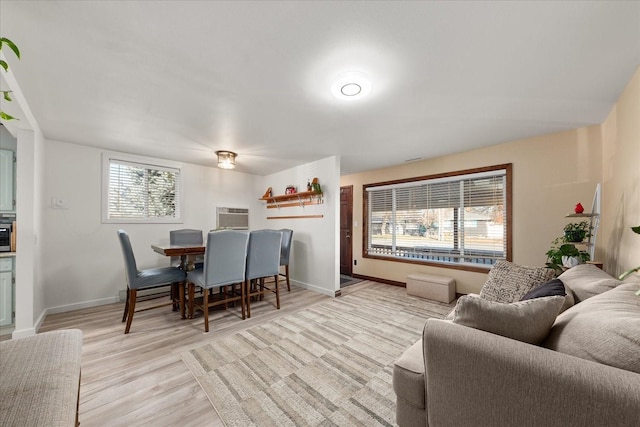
{"x":81,"y":305}
{"x":323,"y":291}
{"x":377,"y":279}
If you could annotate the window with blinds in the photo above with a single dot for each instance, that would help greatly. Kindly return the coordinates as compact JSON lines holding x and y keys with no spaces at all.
{"x":461,"y":219}
{"x":140,"y":192}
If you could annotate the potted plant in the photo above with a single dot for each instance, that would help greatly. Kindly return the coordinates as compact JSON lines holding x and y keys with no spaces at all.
{"x":577,"y":231}
{"x":6,"y":93}
{"x":563,"y":255}
{"x":633,"y":270}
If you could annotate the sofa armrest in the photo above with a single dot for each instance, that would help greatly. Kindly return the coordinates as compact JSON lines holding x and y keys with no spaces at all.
{"x":477,"y":378}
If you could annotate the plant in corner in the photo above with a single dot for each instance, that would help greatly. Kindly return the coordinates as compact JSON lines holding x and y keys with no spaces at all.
{"x":563,"y":255}
{"x":5,"y":66}
{"x":633,"y":270}
{"x":577,"y":231}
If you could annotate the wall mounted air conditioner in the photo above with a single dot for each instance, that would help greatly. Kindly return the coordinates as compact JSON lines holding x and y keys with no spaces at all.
{"x":232,"y":218}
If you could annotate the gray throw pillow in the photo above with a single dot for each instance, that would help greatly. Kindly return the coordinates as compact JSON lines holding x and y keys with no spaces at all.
{"x":603,"y":329}
{"x":508,"y":282}
{"x":587,"y":280}
{"x":527,"y":321}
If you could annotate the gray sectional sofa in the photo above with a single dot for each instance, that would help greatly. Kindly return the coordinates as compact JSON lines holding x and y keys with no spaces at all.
{"x":40,"y":379}
{"x":585,"y":372}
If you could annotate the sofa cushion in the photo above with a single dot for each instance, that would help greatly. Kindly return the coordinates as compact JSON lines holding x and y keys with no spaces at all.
{"x":604,"y":328}
{"x":408,"y":376}
{"x":551,"y":288}
{"x":508,"y":282}
{"x":587,"y":280}
{"x":528,"y":321}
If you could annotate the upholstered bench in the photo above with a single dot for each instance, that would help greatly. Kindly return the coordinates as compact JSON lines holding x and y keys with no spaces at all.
{"x":438,"y":288}
{"x":40,"y":379}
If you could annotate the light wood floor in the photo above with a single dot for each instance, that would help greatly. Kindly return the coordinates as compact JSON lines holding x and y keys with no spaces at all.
{"x":139,"y":379}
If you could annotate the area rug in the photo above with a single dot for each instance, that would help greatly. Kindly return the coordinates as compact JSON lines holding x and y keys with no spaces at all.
{"x":328,"y":365}
{"x":348,"y":281}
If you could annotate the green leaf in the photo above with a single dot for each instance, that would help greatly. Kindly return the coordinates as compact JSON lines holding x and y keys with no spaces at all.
{"x":5,"y":95}
{"x":4,"y":65}
{"x":11,"y":45}
{"x":5,"y":116}
{"x":636,"y":229}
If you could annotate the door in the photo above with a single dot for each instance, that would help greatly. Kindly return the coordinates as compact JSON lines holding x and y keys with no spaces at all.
{"x":6,"y":291}
{"x":346,"y":228}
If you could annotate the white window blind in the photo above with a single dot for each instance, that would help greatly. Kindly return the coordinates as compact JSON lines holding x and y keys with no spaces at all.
{"x":140,"y":192}
{"x":460,"y":219}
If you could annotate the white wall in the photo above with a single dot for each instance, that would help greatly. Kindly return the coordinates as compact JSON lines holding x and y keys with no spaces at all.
{"x":314,"y":261}
{"x":82,"y":262}
{"x":29,"y":285}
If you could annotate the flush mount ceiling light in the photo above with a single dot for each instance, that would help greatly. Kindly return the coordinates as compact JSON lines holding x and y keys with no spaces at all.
{"x":351,"y":85}
{"x":226,"y":159}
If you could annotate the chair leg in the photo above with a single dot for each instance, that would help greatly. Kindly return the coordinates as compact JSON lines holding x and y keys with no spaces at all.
{"x":126,"y":307}
{"x":242,"y":296}
{"x":277,"y":292}
{"x":181,"y":290}
{"x":205,"y":309}
{"x":248,"y":296}
{"x":191,"y":290}
{"x":132,"y":307}
{"x":286,"y":270}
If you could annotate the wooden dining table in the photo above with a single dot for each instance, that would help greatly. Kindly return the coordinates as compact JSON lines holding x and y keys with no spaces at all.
{"x":187,"y":254}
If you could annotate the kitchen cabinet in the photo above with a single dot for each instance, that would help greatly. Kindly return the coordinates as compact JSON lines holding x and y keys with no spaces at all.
{"x":6,"y":291}
{"x":7,"y":181}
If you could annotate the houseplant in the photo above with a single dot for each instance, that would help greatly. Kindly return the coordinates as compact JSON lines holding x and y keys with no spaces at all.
{"x":577,"y":231}
{"x":633,"y":270}
{"x":563,"y":255}
{"x":6,"y":93}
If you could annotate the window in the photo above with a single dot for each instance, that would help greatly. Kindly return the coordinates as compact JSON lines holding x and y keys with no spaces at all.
{"x":136,"y":191}
{"x":458,"y":220}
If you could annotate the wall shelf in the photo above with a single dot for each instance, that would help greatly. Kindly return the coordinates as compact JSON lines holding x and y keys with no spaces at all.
{"x":289,"y":200}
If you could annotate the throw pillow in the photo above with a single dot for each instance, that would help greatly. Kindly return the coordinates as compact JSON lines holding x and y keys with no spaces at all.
{"x":587,"y":280}
{"x":548,"y":289}
{"x":551,"y":288}
{"x":603,"y":329}
{"x":508,"y":282}
{"x":527,"y":321}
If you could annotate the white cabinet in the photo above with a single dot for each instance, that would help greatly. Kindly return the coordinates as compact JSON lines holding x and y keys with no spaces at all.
{"x":7,"y":181}
{"x":6,"y":291}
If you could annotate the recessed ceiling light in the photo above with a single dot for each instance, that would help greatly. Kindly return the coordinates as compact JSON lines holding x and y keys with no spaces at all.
{"x":351,"y":89}
{"x":351,"y":85}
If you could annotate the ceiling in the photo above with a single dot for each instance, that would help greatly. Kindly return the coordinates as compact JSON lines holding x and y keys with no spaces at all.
{"x":182,"y":79}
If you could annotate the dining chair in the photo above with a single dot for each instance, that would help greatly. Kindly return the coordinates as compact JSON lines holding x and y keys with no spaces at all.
{"x":263,"y":260}
{"x":224,"y":268}
{"x":145,"y":279}
{"x":186,"y":236}
{"x":285,"y":251}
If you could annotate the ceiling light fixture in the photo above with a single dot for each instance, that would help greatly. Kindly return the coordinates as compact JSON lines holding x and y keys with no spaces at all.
{"x":351,"y":85}
{"x":226,"y":159}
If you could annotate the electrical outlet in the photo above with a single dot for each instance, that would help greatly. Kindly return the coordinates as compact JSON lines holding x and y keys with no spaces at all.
{"x":57,"y":203}
{"x":355,"y":262}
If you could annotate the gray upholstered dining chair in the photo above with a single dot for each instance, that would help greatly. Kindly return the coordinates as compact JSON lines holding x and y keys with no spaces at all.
{"x":186,"y":236}
{"x":224,"y":268}
{"x":285,"y":251}
{"x":145,"y":279}
{"x":263,"y":260}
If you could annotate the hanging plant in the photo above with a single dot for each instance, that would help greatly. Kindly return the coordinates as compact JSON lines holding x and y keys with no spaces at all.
{"x":633,"y":270}
{"x":6,"y":94}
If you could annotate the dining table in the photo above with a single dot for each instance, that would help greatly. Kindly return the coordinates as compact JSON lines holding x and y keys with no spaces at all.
{"x":187,"y":254}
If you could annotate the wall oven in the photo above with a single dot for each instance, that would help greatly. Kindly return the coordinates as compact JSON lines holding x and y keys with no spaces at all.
{"x":5,"y":236}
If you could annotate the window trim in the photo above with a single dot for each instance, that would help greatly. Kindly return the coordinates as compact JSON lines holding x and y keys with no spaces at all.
{"x":149,"y":162}
{"x":507,"y":167}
